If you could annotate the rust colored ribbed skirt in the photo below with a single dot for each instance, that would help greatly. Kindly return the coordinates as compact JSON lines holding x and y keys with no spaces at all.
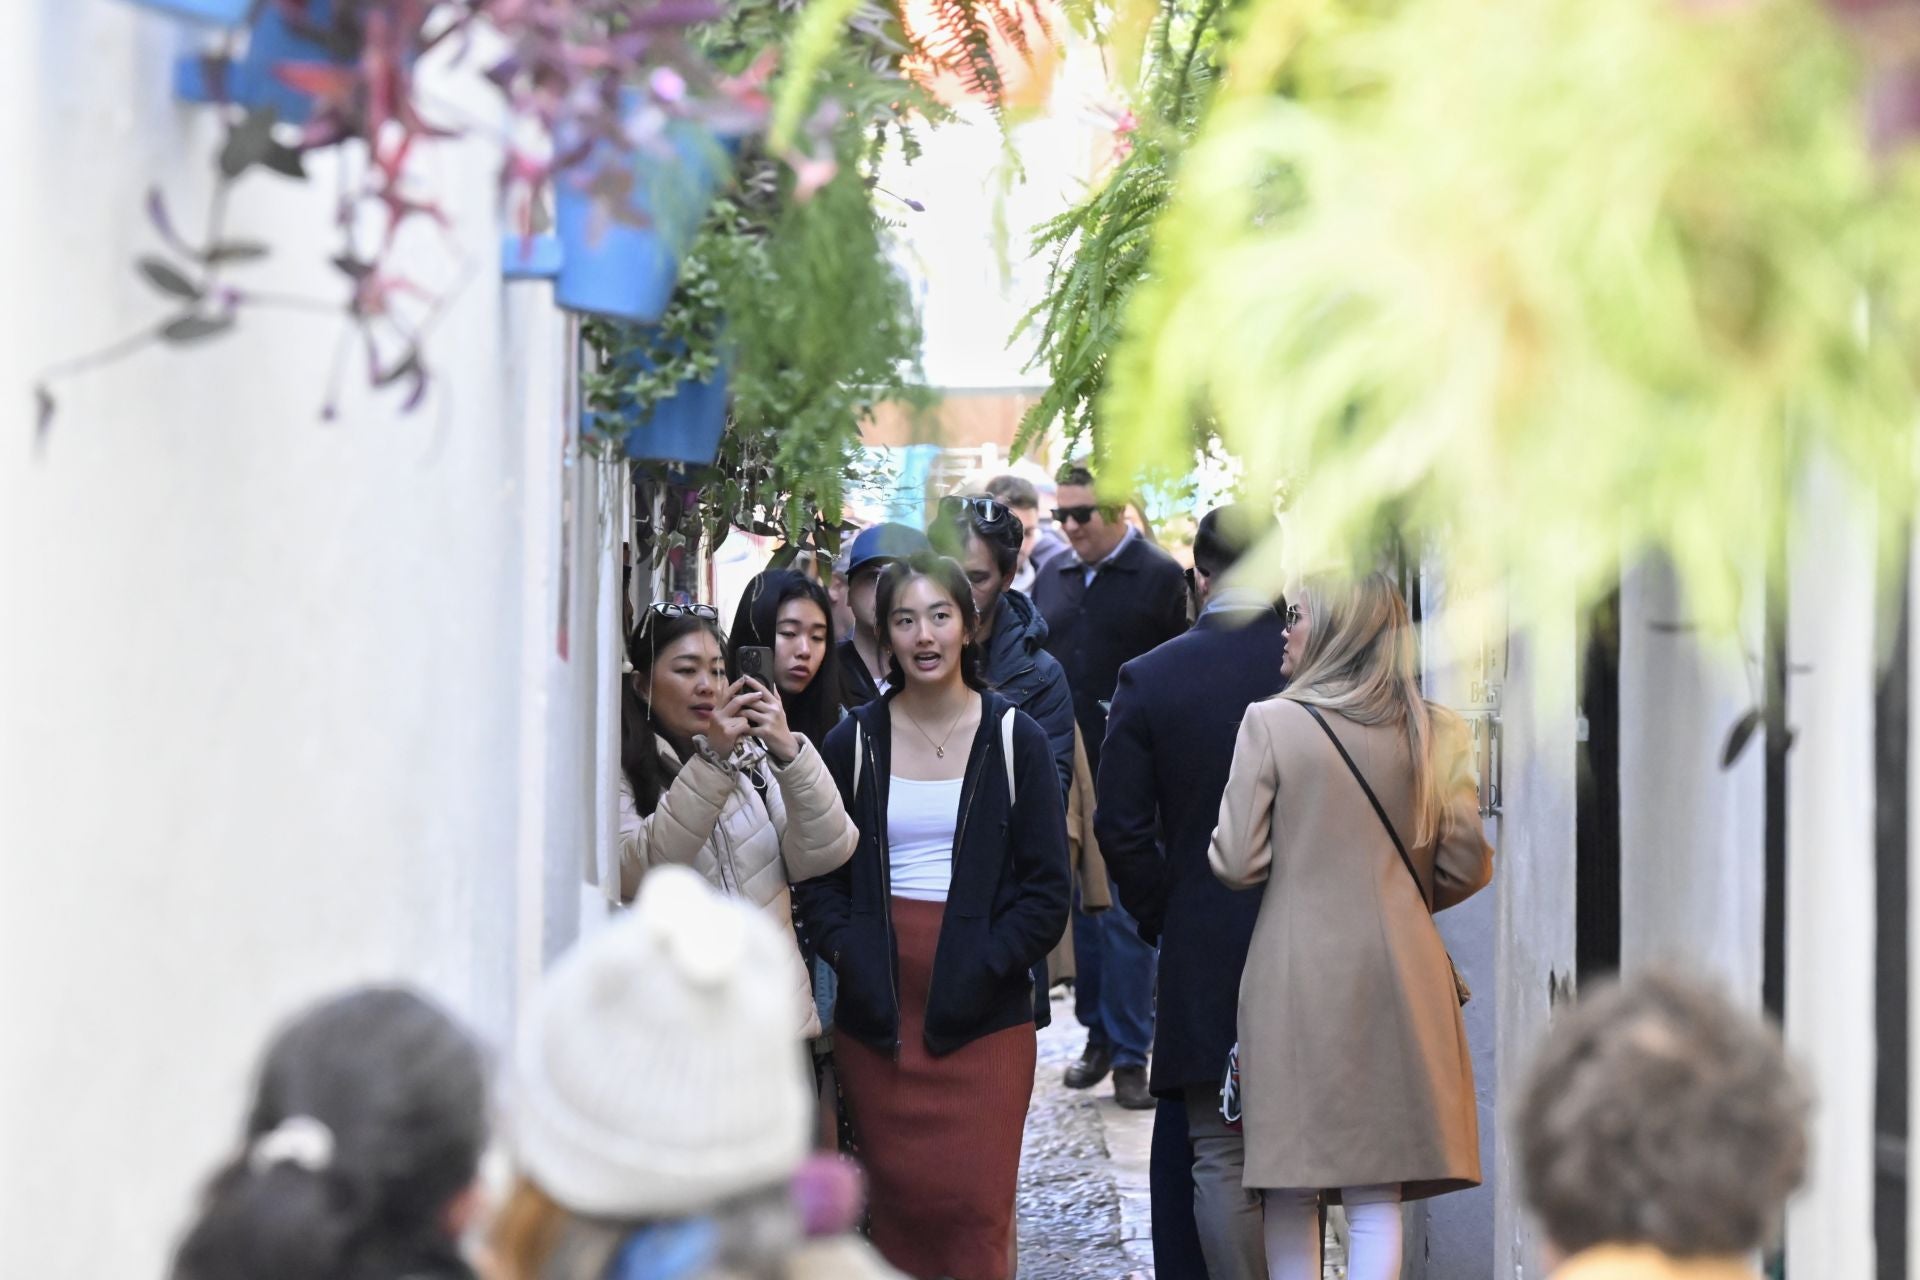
{"x":940,"y":1136}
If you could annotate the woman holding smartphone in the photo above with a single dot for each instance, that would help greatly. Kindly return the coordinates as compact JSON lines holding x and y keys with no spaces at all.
{"x":713,"y":778}
{"x":785,"y":620}
{"x":957,"y":888}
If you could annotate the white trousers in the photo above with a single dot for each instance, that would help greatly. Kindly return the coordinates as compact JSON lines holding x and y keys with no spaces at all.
{"x":1292,"y":1220}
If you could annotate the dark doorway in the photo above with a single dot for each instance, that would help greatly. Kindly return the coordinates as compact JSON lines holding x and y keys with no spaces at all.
{"x":1891,"y":705}
{"x":1596,"y":907}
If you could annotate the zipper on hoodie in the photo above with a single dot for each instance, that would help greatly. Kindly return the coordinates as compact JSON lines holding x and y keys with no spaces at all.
{"x":886,"y":884}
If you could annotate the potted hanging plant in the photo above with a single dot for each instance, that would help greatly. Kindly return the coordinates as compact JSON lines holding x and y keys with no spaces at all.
{"x":622,"y":226}
{"x":294,"y":49}
{"x":225,"y":13}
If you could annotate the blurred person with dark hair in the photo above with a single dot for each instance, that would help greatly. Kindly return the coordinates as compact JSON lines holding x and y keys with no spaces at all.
{"x":981,"y":534}
{"x":659,"y":1110}
{"x":714,"y":777}
{"x":1351,"y":802}
{"x":1040,"y":543}
{"x":958,"y":889}
{"x":1163,"y":770}
{"x":788,"y":611}
{"x":863,"y":662}
{"x":1115,"y":598}
{"x":1660,"y":1132}
{"x":360,"y":1153}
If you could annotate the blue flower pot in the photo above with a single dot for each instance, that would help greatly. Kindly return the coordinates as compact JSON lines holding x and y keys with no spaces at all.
{"x":250,"y":80}
{"x":225,"y":13}
{"x":610,"y":268}
{"x":529,"y":258}
{"x":686,"y":427}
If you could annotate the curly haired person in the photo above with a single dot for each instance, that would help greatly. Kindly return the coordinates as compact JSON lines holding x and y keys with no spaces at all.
{"x":1660,"y":1134}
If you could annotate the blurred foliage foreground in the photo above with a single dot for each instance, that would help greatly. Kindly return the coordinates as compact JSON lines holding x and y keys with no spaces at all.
{"x":1545,"y":285}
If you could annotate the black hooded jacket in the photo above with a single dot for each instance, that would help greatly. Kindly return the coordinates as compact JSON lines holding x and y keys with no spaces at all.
{"x":1007,"y":905}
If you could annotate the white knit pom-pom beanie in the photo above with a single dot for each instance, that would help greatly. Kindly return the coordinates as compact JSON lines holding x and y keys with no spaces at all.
{"x":658,"y":1073}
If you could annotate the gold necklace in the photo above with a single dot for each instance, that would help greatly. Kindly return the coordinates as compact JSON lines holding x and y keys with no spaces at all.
{"x":940,"y":747}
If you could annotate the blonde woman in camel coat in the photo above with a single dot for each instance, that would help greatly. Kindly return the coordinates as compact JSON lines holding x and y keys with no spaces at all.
{"x":1355,"y":1077}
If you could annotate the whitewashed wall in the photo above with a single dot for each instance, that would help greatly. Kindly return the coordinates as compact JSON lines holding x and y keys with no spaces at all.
{"x":1692,"y":832}
{"x":262,"y":725}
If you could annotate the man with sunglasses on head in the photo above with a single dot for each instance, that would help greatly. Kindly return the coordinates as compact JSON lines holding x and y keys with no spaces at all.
{"x":1041,"y":543}
{"x":1116,"y":597}
{"x":985,"y":536}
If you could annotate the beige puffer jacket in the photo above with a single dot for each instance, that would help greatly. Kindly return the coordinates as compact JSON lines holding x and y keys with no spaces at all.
{"x":714,"y":821}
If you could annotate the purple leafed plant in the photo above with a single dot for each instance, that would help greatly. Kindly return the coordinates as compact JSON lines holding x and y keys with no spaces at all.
{"x":591,"y":88}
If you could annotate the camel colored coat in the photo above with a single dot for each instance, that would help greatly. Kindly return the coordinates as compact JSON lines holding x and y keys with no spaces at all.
{"x":1353,"y":1055}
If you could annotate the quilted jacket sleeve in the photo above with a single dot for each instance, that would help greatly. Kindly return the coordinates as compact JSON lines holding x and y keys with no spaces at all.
{"x":818,"y":837}
{"x":679,"y":826}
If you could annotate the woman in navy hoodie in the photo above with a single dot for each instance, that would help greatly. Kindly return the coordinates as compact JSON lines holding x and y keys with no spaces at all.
{"x":957,"y":888}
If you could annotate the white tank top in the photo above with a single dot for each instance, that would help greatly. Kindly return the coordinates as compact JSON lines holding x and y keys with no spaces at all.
{"x":920,"y":820}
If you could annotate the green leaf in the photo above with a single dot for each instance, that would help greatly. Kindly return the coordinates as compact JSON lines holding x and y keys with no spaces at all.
{"x":196,"y":328}
{"x":162,"y":275}
{"x":235,"y":251}
{"x":248,"y":143}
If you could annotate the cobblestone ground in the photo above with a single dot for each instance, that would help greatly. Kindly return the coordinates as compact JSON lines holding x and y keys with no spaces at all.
{"x":1083,"y":1211}
{"x":1069,"y":1199}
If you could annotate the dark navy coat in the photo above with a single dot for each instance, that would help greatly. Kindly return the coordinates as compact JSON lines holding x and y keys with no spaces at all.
{"x":1021,"y":670}
{"x":1168,"y":752}
{"x":1137,"y":601}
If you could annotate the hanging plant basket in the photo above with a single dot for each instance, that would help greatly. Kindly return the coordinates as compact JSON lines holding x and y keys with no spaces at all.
{"x":254,"y":79}
{"x":225,"y":13}
{"x":686,"y":427}
{"x":625,"y":268}
{"x":529,"y":257}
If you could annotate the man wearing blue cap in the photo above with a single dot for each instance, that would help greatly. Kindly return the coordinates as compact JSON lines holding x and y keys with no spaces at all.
{"x":863,"y":669}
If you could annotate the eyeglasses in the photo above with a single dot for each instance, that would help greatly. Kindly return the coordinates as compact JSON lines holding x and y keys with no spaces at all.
{"x":984,"y":509}
{"x":1294,"y":614}
{"x":1079,"y":515}
{"x":668,"y":609}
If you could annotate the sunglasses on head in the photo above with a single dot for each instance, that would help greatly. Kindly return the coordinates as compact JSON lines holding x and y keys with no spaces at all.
{"x":980,"y":507}
{"x":1079,"y":515}
{"x":668,"y":609}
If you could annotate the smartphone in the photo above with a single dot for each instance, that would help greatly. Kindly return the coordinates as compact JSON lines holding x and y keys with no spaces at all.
{"x":756,"y":662}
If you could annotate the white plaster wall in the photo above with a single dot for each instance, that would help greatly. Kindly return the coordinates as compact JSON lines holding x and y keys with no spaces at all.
{"x":260,"y":695}
{"x":1535,"y":883}
{"x":1830,"y":867}
{"x":1692,"y":834}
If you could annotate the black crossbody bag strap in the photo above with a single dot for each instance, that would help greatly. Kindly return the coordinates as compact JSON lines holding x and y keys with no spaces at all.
{"x":1460,"y":988}
{"x":1406,"y":859}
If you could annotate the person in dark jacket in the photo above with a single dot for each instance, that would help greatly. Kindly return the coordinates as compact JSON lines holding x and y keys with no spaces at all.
{"x":984,"y":536}
{"x":861,"y":655}
{"x":957,"y":888}
{"x":1115,"y":598}
{"x":1164,"y":765}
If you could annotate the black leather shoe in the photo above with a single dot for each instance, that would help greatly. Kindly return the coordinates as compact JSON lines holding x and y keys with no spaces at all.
{"x":1130,"y":1089}
{"x":1092,"y":1067}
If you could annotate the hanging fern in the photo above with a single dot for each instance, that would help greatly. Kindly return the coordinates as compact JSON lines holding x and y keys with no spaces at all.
{"x":1098,"y":250}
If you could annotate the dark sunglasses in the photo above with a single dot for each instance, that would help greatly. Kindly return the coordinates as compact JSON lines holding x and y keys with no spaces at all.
{"x":668,"y":609}
{"x":1079,"y":515}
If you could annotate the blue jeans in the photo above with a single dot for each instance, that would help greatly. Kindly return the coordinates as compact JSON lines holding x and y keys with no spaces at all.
{"x":1113,"y":983}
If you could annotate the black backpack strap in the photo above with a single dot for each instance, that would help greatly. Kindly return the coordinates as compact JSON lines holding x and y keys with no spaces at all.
{"x":1406,"y":860}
